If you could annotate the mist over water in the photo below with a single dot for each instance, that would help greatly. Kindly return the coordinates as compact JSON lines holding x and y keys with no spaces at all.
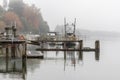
{"x":91,"y":15}
{"x":55,"y":67}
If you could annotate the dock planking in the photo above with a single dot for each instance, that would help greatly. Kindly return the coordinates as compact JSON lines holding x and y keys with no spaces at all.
{"x":68,"y":49}
{"x":12,"y":41}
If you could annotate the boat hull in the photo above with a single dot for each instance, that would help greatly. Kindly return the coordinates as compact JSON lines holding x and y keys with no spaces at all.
{"x":70,"y":44}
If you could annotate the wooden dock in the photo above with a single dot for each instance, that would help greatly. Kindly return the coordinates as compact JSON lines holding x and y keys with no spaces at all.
{"x":12,"y":41}
{"x":13,"y":47}
{"x":79,"y":47}
{"x":67,"y":49}
{"x":40,"y":41}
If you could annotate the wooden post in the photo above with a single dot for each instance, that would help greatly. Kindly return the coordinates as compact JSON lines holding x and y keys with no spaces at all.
{"x":97,"y":50}
{"x":24,"y":69}
{"x":24,"y":57}
{"x":7,"y":58}
{"x":80,"y":48}
{"x":13,"y":50}
{"x":42,"y":46}
{"x":24,"y":50}
{"x":65,"y":55}
{"x":65,"y":25}
{"x":64,"y":47}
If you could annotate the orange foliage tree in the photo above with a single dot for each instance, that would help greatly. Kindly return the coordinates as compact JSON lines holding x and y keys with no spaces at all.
{"x":11,"y":17}
{"x":31,"y":13}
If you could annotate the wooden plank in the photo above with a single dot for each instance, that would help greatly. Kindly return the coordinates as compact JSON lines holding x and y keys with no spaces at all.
{"x":10,"y":71}
{"x":12,"y":41}
{"x":56,"y":41}
{"x":39,"y":49}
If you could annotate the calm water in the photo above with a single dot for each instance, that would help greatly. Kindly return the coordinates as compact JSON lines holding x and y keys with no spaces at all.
{"x":53,"y":67}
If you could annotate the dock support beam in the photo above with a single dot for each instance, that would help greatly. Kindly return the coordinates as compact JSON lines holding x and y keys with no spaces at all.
{"x":80,"y":52}
{"x":64,"y":46}
{"x":97,"y":50}
{"x":24,"y":57}
{"x":7,"y":58}
{"x":13,"y":48}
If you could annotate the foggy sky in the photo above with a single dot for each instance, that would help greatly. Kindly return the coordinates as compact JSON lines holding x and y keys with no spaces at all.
{"x":90,"y":14}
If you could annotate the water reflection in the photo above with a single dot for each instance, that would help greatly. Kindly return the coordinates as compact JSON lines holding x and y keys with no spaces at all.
{"x":14,"y":68}
{"x":19,"y":68}
{"x":72,"y":59}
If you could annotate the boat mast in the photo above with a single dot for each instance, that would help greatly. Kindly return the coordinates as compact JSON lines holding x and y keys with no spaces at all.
{"x":65,"y":26}
{"x":74,"y":24}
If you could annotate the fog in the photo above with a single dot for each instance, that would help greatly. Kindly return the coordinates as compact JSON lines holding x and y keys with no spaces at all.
{"x":90,"y":14}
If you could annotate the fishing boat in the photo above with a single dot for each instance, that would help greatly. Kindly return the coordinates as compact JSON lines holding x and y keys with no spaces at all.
{"x":70,"y":36}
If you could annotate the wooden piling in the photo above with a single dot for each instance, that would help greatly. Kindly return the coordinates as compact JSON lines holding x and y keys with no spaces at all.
{"x":64,"y":55}
{"x":7,"y":58}
{"x":80,"y":52}
{"x":64,"y":46}
{"x":13,"y":48}
{"x":24,"y":69}
{"x":25,"y":66}
{"x":97,"y":50}
{"x":24,"y":58}
{"x":42,"y":46}
{"x":24,"y":54}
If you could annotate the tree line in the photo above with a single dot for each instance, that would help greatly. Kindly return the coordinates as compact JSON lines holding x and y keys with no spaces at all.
{"x":27,"y":18}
